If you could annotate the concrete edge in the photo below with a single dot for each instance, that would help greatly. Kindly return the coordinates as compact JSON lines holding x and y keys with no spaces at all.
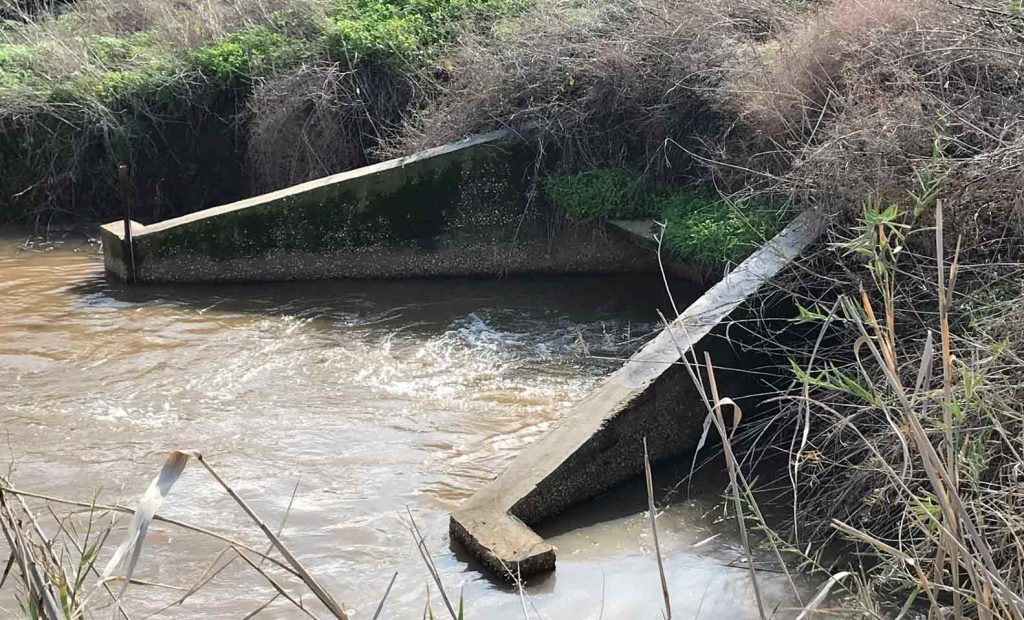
{"x":500,"y":135}
{"x":641,"y":233}
{"x":521,"y":553}
{"x":485,"y":525}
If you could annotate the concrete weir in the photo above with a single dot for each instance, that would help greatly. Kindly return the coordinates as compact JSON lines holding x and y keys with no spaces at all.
{"x":462,"y":209}
{"x":465,"y":209}
{"x":599,"y":442}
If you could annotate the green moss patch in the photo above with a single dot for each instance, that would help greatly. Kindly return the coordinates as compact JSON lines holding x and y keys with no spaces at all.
{"x":606,"y":193}
{"x":700,"y":227}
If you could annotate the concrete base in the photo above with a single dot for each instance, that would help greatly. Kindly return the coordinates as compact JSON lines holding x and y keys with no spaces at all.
{"x":600,"y":441}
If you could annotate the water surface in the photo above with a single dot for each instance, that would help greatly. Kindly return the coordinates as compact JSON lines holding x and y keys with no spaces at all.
{"x":364,"y":399}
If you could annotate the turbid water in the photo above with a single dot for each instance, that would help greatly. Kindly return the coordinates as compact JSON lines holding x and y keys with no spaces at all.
{"x":365,"y":399}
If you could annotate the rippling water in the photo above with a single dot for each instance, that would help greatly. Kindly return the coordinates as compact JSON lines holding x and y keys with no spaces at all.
{"x":363,"y":399}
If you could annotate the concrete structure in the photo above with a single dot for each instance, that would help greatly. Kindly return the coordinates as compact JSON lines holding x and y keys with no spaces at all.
{"x":465,"y":209}
{"x":462,"y":209}
{"x":599,"y":442}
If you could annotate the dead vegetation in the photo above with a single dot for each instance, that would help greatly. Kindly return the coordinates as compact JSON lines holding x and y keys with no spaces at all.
{"x":603,"y":83}
{"x":317,"y":120}
{"x":54,"y":560}
{"x":62,"y":563}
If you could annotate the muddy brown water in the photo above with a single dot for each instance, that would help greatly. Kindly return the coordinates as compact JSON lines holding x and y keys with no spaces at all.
{"x":370,"y":397}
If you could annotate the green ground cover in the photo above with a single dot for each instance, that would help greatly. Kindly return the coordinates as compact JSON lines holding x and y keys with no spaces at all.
{"x":115,"y":67}
{"x":700,"y":226}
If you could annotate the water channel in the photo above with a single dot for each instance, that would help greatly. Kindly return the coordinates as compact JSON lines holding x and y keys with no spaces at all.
{"x":365,"y":399}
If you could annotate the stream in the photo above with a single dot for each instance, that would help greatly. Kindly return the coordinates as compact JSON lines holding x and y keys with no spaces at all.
{"x":342,"y":405}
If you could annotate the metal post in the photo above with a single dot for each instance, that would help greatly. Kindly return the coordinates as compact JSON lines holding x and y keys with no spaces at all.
{"x":127,"y":247}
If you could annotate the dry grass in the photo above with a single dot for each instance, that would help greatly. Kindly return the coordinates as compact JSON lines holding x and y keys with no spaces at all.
{"x":605,"y":83}
{"x":903,"y":426}
{"x":56,"y":572}
{"x":851,"y":101}
{"x":317,"y":120}
{"x":180,"y":25}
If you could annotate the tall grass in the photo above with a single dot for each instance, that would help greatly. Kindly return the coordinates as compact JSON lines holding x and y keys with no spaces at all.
{"x":904,"y":426}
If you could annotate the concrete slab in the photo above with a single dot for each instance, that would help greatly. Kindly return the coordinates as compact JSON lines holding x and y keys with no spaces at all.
{"x":462,"y":209}
{"x":599,"y":442}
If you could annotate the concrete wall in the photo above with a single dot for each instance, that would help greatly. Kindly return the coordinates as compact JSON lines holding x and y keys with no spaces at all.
{"x":462,"y":209}
{"x":600,"y":441}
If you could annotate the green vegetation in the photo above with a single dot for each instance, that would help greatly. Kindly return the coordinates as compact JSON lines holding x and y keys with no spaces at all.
{"x":81,"y":93}
{"x":700,"y":227}
{"x":606,"y":193}
{"x":402,"y":30}
{"x":247,"y":54}
{"x":704,"y":228}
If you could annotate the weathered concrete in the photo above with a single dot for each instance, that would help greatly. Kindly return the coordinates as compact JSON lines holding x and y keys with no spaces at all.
{"x":642,"y":233}
{"x":462,"y":209}
{"x":599,"y":442}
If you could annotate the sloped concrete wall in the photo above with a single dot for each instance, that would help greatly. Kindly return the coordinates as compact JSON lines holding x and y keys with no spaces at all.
{"x":600,"y":441}
{"x":463,"y":209}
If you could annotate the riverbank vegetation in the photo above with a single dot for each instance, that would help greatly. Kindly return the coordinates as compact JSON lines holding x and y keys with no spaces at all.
{"x":902,"y":122}
{"x":204,"y":102}
{"x":700,"y":227}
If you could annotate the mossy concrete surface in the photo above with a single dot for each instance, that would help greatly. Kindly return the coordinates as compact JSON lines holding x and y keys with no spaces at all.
{"x":462,"y":209}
